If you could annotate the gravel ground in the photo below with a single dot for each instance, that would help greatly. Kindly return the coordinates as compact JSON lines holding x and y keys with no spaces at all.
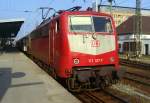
{"x":133,"y":92}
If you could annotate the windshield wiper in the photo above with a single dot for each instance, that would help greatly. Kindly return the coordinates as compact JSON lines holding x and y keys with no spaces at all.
{"x":84,"y":37}
{"x":94,"y":36}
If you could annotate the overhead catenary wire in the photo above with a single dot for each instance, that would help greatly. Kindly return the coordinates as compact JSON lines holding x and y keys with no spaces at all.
{"x":33,"y":16}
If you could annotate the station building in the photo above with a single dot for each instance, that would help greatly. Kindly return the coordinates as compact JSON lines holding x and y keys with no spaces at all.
{"x":9,"y":29}
{"x":126,"y":34}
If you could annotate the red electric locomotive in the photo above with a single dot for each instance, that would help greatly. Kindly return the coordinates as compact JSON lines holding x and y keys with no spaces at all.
{"x":78,"y":46}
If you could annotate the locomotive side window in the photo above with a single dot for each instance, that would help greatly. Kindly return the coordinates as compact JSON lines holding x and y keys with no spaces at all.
{"x":57,"y":26}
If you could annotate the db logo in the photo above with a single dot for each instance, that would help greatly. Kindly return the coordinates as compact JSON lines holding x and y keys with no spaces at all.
{"x":95,"y":43}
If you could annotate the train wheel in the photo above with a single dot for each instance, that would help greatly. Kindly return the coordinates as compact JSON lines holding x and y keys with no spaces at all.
{"x":115,"y":81}
{"x":107,"y":81}
{"x":71,"y":85}
{"x":102,"y":83}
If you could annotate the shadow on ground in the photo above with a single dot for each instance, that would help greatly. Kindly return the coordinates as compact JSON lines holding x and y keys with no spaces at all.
{"x":6,"y":76}
{"x":5,"y":80}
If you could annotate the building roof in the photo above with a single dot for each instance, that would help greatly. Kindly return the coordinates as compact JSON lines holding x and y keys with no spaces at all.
{"x":128,"y":27}
{"x":10,"y":27}
{"x":121,"y":7}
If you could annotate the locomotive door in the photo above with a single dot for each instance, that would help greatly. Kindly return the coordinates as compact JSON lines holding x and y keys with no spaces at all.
{"x":53,"y":42}
{"x":56,"y":42}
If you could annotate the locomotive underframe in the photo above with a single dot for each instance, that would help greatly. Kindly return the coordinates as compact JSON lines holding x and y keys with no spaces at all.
{"x":92,"y":78}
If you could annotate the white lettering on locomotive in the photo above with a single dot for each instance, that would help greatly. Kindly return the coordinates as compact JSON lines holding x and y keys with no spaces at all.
{"x":95,"y":60}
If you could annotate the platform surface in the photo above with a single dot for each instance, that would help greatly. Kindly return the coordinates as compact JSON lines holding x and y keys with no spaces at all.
{"x":22,"y":81}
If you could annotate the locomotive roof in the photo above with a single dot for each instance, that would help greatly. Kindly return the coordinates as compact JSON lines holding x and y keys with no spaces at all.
{"x":85,"y":13}
{"x":72,"y":13}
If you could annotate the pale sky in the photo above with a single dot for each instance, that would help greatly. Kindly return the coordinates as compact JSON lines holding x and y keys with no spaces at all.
{"x":10,"y":9}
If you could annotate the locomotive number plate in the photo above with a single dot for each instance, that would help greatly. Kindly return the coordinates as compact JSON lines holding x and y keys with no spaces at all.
{"x":95,"y":60}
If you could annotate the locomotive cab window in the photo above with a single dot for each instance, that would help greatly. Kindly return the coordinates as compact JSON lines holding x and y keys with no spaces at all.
{"x":90,"y":24}
{"x":102,"y":24}
{"x":80,"y":24}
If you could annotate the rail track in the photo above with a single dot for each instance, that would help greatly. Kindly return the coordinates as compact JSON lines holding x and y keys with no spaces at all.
{"x":102,"y":96}
{"x":137,"y":78}
{"x":140,"y":75}
{"x":137,"y":64}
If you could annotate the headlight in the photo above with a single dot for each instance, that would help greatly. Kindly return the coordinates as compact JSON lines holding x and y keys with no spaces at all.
{"x":76,"y":61}
{"x":112,"y":59}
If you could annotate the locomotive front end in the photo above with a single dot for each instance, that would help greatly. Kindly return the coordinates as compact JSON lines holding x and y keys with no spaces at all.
{"x":93,"y":45}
